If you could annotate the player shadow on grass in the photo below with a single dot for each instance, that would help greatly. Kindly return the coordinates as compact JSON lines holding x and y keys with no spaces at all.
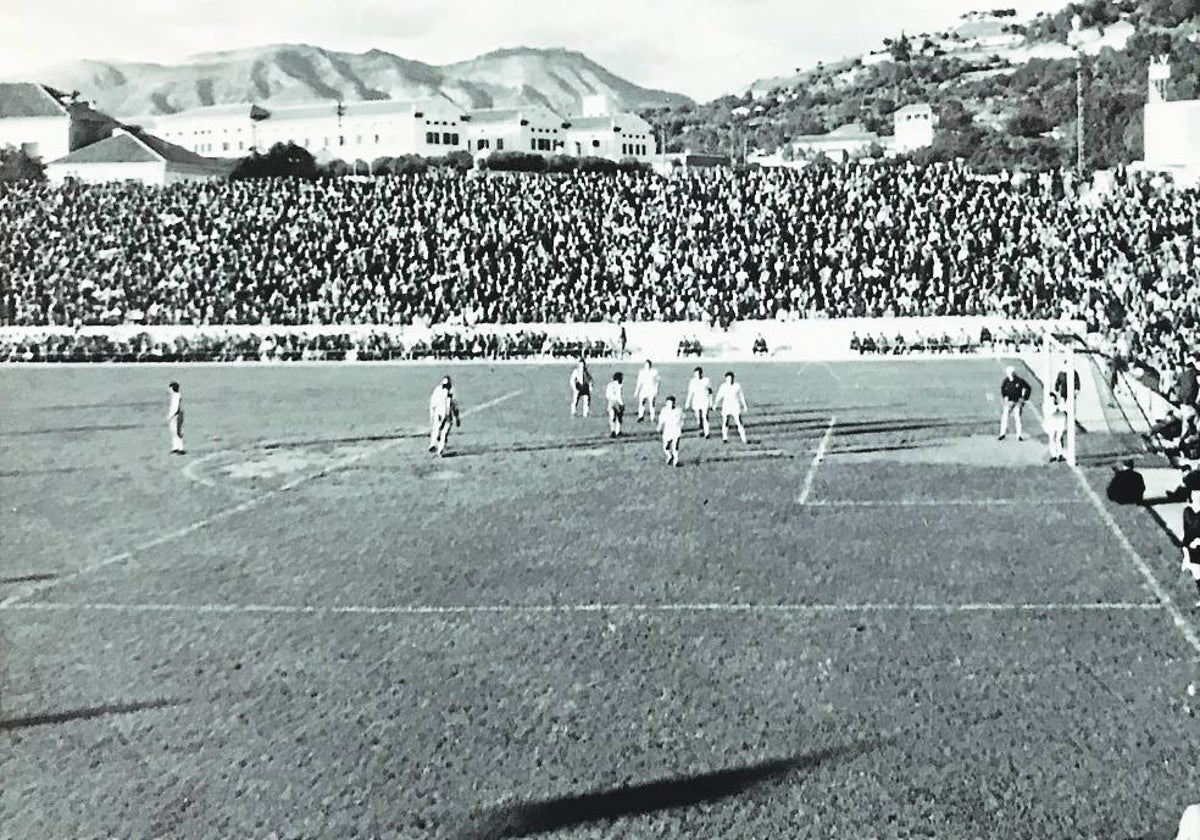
{"x":106,"y":710}
{"x":301,"y":444}
{"x":34,"y":578}
{"x":546,"y":815}
{"x":107,"y":427}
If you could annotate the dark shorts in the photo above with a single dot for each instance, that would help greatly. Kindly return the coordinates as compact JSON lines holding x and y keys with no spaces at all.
{"x":617,"y":412}
{"x":583,"y":391}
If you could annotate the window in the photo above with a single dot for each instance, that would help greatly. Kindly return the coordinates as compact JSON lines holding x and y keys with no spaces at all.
{"x":431,"y":137}
{"x":241,"y":146}
{"x":376,"y":138}
{"x":224,"y":147}
{"x":358,"y":140}
{"x":483,"y":144}
{"x":533,"y":145}
{"x":449,"y":139}
{"x":595,"y":144}
{"x":499,"y":145}
{"x":341,"y":140}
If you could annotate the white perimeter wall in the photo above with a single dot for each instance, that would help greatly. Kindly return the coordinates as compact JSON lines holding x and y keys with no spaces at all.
{"x":811,"y":340}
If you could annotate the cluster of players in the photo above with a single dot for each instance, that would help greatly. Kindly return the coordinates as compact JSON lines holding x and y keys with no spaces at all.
{"x":729,"y":399}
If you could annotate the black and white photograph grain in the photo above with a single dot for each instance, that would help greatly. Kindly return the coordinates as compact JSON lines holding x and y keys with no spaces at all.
{"x":638,"y":420}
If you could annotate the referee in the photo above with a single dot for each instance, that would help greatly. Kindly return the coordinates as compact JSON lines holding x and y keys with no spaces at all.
{"x":1014,"y":393}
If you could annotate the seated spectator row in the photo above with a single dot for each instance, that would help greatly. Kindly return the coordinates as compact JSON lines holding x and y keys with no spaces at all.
{"x":962,"y":342}
{"x":290,"y":347}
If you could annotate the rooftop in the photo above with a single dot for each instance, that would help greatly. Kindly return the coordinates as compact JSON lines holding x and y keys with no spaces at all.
{"x":27,"y":99}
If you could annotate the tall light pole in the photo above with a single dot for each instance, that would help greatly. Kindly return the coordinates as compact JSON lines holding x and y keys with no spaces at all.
{"x":1076,"y":27}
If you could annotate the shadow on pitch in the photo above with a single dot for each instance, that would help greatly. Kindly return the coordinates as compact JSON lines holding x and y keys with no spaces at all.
{"x":107,"y":710}
{"x":301,"y":444}
{"x":109,"y":427}
{"x":28,"y":578}
{"x":546,"y":815}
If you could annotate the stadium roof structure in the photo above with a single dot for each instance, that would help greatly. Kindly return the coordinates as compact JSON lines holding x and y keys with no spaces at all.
{"x":486,"y":116}
{"x":29,"y":99}
{"x":368,"y":107}
{"x":128,"y":147}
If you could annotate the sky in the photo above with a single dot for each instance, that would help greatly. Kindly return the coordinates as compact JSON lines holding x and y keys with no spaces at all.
{"x":703,"y":48}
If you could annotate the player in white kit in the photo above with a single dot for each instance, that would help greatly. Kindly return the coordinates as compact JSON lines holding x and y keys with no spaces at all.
{"x":443,"y":411}
{"x":699,"y":399}
{"x":732,"y":403}
{"x":646,"y":391}
{"x":616,"y":404}
{"x":581,"y":388}
{"x":175,"y":419}
{"x":670,"y":422}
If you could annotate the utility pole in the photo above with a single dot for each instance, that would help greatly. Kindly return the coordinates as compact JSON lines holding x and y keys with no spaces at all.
{"x":1076,"y":40}
{"x":1079,"y":130}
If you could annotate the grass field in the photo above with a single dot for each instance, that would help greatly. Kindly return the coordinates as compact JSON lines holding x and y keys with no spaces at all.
{"x":873,"y":621}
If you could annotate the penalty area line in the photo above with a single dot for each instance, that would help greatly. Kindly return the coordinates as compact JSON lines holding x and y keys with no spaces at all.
{"x":221,"y":515}
{"x":566,"y":609}
{"x":818,"y":457}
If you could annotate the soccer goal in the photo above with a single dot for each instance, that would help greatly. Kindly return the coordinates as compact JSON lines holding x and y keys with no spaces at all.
{"x":1060,"y":383}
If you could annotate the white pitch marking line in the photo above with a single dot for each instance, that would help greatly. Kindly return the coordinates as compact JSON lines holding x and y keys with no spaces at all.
{"x":191,"y":474}
{"x":171,"y":536}
{"x":806,"y":490}
{"x":1185,"y":627}
{"x":552,"y":609}
{"x":867,"y":503}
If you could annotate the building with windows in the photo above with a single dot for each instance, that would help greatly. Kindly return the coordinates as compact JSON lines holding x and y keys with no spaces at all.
{"x":347,"y":131}
{"x":140,"y":157}
{"x":45,"y":123}
{"x":615,"y":136}
{"x":912,"y":128}
{"x":530,"y":129}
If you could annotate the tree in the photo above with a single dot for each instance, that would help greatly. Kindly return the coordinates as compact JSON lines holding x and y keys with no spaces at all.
{"x":283,"y":160}
{"x":15,"y":165}
{"x":1028,"y":123}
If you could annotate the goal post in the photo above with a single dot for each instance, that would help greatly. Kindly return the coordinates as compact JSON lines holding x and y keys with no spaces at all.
{"x":1060,"y":369}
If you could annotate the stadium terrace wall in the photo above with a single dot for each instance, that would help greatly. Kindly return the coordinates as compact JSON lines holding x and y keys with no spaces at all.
{"x":799,"y":340}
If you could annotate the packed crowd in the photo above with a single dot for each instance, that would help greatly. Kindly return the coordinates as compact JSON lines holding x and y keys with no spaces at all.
{"x":714,"y":246}
{"x":292,"y":347}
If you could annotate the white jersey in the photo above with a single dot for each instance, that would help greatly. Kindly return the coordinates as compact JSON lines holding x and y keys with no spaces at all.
{"x":647,"y":383}
{"x":730,"y":398}
{"x":699,"y":393}
{"x":176,"y":408}
{"x":670,"y":420}
{"x":613,"y":393}
{"x":441,"y":403}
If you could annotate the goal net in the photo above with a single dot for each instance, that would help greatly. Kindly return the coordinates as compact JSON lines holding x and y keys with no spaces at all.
{"x":1060,"y":392}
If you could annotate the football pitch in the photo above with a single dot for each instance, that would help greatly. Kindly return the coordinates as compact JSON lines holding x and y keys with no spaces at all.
{"x":875,"y":620}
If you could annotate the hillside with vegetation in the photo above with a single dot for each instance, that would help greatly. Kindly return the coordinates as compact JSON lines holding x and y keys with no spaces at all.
{"x":1003,"y":90}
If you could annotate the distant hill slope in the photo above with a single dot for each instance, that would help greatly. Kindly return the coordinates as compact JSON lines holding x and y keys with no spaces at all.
{"x":1003,"y":88}
{"x":285,"y":73}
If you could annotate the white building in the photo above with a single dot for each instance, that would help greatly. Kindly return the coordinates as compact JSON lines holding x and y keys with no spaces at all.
{"x":913,"y":128}
{"x":1171,"y":139}
{"x":34,"y":120}
{"x":616,"y":136}
{"x":345,"y":130}
{"x":135,"y":157}
{"x":530,"y":129}
{"x":843,"y":143}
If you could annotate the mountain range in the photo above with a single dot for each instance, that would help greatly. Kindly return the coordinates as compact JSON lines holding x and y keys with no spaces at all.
{"x":289,"y":73}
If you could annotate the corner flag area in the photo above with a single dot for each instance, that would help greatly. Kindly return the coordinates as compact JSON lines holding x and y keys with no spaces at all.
{"x":874,"y":620}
